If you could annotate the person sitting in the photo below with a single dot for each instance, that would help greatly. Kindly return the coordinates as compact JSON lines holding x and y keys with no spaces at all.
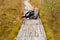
{"x":29,"y":14}
{"x":36,"y":13}
{"x":32,"y":14}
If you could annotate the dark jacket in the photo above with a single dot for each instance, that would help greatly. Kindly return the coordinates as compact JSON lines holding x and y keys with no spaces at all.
{"x":29,"y":14}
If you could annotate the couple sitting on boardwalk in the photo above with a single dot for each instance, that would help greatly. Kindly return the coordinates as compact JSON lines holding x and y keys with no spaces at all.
{"x":32,"y":14}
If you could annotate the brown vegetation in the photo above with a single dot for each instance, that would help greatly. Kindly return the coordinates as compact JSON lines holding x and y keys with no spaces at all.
{"x":10,"y":14}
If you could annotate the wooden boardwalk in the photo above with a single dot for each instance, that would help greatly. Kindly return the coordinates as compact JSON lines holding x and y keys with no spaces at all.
{"x":31,"y":30}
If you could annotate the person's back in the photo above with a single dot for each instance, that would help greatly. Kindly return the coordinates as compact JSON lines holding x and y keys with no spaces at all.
{"x":36,"y":13}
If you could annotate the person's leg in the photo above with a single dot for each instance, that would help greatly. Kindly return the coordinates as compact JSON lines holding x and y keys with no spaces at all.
{"x":24,"y":16}
{"x":36,"y":17}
